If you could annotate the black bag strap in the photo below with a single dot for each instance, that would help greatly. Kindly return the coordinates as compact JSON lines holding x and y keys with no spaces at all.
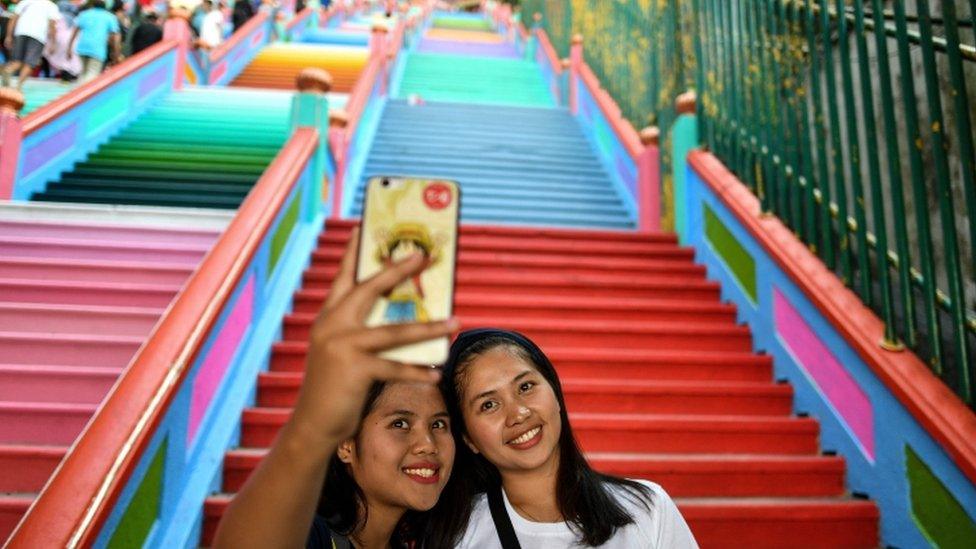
{"x":503,"y":522}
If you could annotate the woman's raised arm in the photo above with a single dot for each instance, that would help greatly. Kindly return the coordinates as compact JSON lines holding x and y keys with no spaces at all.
{"x":276,"y":506}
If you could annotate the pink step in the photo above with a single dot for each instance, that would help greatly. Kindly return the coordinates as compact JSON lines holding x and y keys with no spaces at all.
{"x":45,"y":229}
{"x":67,"y":350}
{"x":88,"y":293}
{"x":48,"y":423}
{"x":66,"y":384}
{"x":129,"y":272}
{"x":77,"y":319}
{"x":27,"y":468}
{"x":116,"y":251}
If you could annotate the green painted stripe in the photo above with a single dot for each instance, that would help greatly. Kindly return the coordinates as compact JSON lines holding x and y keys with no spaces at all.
{"x":461,"y":23}
{"x":937,"y":512}
{"x":283,"y":232}
{"x":143,"y":510}
{"x":737,"y":259}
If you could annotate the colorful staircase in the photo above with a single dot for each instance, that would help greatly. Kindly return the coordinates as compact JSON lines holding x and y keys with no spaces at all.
{"x":277,"y":65}
{"x":486,"y":80}
{"x":77,"y":299}
{"x":41,"y":91}
{"x":516,"y":165}
{"x":660,"y":380}
{"x":200,"y":147}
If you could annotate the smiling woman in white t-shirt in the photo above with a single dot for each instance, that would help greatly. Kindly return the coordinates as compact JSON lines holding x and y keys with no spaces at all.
{"x":530,"y":483}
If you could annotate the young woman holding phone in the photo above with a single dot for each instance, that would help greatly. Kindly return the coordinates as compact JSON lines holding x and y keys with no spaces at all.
{"x":368,"y":450}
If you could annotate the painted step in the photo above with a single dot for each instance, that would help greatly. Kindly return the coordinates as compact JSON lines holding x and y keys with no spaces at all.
{"x":131,"y":272}
{"x":112,"y":294}
{"x":779,"y":523}
{"x":501,"y":281}
{"x":56,"y":384}
{"x":682,"y":475}
{"x":730,"y":475}
{"x":280,"y":390}
{"x":521,"y":245}
{"x":42,"y":423}
{"x":651,"y":364}
{"x":74,"y":319}
{"x":68,"y":248}
{"x":27,"y":468}
{"x":68,"y":349}
{"x":12,"y":508}
{"x":558,"y":307}
{"x":641,"y":433}
{"x":131,"y":198}
{"x":550,"y":263}
{"x":108,"y":233}
{"x":343,"y":226}
{"x":710,"y":336}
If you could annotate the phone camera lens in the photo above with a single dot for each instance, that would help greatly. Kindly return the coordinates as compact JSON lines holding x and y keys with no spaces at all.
{"x":386,"y":183}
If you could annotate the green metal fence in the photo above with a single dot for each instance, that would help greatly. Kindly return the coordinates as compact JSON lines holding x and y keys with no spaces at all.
{"x":851,"y":120}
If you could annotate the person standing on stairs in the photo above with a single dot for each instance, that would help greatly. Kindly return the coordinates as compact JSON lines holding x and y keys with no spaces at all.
{"x":98,"y":28}
{"x":529,"y":482}
{"x":212,"y":25}
{"x":369,"y":443}
{"x":28,"y":31}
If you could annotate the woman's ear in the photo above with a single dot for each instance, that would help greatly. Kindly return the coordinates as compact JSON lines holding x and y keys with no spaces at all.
{"x":346,"y":450}
{"x":469,"y":444}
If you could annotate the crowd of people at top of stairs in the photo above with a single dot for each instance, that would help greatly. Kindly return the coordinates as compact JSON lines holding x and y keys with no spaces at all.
{"x":76,"y":39}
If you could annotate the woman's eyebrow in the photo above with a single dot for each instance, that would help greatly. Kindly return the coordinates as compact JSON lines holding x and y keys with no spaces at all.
{"x":520,"y":376}
{"x":401,"y":413}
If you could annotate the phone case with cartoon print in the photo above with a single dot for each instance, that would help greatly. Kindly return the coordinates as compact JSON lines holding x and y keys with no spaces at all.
{"x":403,"y":215}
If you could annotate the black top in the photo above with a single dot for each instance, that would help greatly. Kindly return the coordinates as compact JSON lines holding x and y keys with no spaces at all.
{"x":145,"y":35}
{"x":321,"y":537}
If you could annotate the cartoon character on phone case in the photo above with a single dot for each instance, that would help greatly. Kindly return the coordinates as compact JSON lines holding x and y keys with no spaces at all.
{"x":405,"y":302}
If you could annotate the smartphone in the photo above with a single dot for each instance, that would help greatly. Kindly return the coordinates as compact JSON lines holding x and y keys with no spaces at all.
{"x":403,"y":215}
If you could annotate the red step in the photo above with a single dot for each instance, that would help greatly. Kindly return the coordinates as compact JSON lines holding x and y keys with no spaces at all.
{"x":551,"y":332}
{"x":27,"y":468}
{"x":42,"y":423}
{"x":12,"y":508}
{"x":550,"y":263}
{"x":682,"y":475}
{"x":781,"y":523}
{"x":732,"y":522}
{"x":530,"y":246}
{"x":289,"y":356}
{"x":280,"y":390}
{"x":344,"y":226}
{"x":499,"y":280}
{"x":643,"y":433}
{"x":730,"y":475}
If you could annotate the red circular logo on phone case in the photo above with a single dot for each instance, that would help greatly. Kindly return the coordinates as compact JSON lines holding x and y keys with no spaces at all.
{"x":437,"y":196}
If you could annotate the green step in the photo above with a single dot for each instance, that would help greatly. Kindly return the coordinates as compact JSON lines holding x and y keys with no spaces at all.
{"x":471,"y":79}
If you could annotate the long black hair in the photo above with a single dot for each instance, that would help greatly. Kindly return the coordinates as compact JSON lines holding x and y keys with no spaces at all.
{"x":343,"y":505}
{"x":583,"y":494}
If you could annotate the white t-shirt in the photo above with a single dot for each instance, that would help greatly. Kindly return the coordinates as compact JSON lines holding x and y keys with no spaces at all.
{"x":211,"y":29}
{"x":33,"y":17}
{"x":663,"y":527}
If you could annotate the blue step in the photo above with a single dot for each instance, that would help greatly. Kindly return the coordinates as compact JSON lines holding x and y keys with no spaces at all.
{"x":516,"y":165}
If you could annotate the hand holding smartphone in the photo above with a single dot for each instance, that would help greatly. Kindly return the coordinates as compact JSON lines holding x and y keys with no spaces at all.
{"x":403,"y":216}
